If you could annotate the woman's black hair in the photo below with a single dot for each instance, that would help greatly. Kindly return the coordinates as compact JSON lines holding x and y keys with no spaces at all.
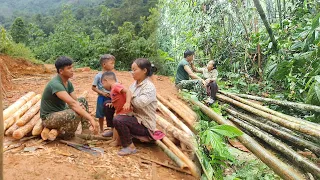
{"x":62,"y":62}
{"x":144,"y":63}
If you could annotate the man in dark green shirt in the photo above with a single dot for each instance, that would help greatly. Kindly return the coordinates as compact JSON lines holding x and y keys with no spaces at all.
{"x":184,"y":73}
{"x":59,"y":93}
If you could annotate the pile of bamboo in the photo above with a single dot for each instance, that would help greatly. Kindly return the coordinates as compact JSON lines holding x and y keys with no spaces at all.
{"x":22,"y":118}
{"x":180,"y":130}
{"x":282,"y":132}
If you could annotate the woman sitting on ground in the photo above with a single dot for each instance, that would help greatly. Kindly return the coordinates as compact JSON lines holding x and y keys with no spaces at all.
{"x":144,"y":103}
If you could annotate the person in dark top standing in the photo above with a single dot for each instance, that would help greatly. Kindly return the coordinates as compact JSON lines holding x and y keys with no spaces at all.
{"x":59,"y":93}
{"x":184,"y":73}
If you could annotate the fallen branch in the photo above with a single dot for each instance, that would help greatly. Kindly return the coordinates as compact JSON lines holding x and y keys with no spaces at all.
{"x":284,"y":170}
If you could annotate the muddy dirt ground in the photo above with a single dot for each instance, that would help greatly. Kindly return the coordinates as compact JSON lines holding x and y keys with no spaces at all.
{"x":56,"y":161}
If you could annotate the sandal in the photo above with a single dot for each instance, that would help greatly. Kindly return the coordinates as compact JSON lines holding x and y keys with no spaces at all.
{"x":127,"y":151}
{"x":107,"y":134}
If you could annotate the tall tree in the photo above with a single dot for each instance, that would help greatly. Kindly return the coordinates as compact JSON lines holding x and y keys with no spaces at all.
{"x":19,"y":31}
{"x":265,"y":22}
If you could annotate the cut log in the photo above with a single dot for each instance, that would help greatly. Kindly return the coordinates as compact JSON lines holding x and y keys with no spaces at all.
{"x":52,"y":134}
{"x":164,"y":110}
{"x":171,"y":155}
{"x":11,"y":120}
{"x":185,"y":117}
{"x":24,"y":130}
{"x":29,"y":114}
{"x":37,"y":129}
{"x":45,"y":133}
{"x":283,"y":148}
{"x":177,"y":133}
{"x":284,"y":170}
{"x":10,"y":131}
{"x":276,"y":119}
{"x":195,"y":171}
{"x":276,"y":113}
{"x":284,"y":135}
{"x":294,"y":105}
{"x":18,"y":104}
{"x":185,"y":107}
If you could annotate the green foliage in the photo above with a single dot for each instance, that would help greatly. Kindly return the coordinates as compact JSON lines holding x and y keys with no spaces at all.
{"x":19,"y":31}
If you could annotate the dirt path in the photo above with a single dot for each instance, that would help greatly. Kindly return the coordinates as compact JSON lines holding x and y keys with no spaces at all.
{"x":58,"y":161}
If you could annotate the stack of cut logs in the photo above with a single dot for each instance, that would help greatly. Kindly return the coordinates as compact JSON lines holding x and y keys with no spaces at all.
{"x":23,"y":118}
{"x":280,"y":131}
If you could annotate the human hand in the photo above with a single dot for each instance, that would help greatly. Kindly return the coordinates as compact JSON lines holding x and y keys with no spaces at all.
{"x":95,"y":128}
{"x":109,"y":105}
{"x":106,"y":94}
{"x":126,"y":106}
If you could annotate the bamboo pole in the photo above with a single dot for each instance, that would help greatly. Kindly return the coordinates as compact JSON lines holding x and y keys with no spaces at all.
{"x":195,"y":171}
{"x":295,"y":105}
{"x":37,"y":129}
{"x":184,"y":116}
{"x":284,"y":170}
{"x":29,"y":114}
{"x":24,"y":130}
{"x":1,"y":130}
{"x":183,"y":106}
{"x":278,"y":120}
{"x":171,"y":155}
{"x":18,"y":104}
{"x":276,"y":113}
{"x":278,"y":145}
{"x":174,"y":118}
{"x":177,"y":133}
{"x":12,"y":119}
{"x":287,"y":136}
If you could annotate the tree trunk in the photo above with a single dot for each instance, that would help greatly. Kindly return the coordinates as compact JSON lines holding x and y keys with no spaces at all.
{"x":278,"y":120}
{"x":195,"y":171}
{"x":177,"y":133}
{"x":284,"y":135}
{"x":174,"y":118}
{"x":29,"y":114}
{"x":37,"y":129}
{"x":294,"y":105}
{"x":284,"y":170}
{"x":265,"y":22}
{"x":276,"y":113}
{"x":18,"y":104}
{"x":24,"y":130}
{"x":283,"y":148}
{"x":171,"y":155}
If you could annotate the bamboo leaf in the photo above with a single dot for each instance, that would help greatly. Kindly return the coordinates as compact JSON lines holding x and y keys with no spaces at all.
{"x":227,"y":130}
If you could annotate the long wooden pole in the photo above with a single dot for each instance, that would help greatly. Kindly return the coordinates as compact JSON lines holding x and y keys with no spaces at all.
{"x":276,"y":119}
{"x":1,"y":131}
{"x":295,"y":105}
{"x":283,"y":148}
{"x":284,"y":170}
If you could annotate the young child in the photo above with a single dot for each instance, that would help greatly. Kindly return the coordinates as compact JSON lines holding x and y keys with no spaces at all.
{"x":107,"y":62}
{"x":121,"y":100}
